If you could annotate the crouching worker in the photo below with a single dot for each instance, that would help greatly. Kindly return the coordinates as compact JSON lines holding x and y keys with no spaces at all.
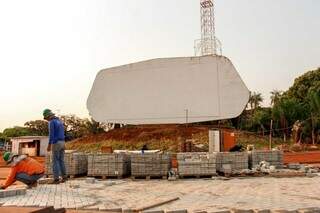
{"x":23,"y":169}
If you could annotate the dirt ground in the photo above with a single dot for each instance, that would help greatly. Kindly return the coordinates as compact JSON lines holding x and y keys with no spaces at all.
{"x":164,"y":137}
{"x":170,"y":137}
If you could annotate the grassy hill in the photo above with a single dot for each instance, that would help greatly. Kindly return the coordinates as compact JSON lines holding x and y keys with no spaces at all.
{"x":164,"y":137}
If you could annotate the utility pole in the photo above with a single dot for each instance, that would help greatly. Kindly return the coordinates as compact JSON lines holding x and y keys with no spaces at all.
{"x":187,"y":115}
{"x":270,"y":135}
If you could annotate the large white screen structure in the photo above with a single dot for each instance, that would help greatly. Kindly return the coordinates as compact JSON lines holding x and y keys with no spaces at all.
{"x":168,"y":90}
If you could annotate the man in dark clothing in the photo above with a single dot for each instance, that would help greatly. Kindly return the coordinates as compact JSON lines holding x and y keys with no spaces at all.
{"x":56,"y":145}
{"x":144,"y":148}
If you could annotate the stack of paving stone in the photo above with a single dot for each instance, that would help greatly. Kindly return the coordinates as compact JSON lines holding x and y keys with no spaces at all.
{"x":150,"y":165}
{"x":76,"y":163}
{"x":112,"y":165}
{"x":229,"y":162}
{"x":273,"y":157}
{"x":196,"y":164}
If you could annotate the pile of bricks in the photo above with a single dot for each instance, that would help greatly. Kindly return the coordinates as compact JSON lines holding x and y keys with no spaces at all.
{"x":274,"y":158}
{"x":76,"y":163}
{"x":196,"y":164}
{"x":229,"y":162}
{"x":112,"y":165}
{"x":150,"y":165}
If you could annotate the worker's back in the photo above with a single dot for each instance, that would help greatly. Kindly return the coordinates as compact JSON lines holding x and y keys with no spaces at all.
{"x":30,"y":166}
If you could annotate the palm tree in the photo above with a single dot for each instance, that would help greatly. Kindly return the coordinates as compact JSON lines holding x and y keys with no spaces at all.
{"x":314,"y":102}
{"x":255,"y":100}
{"x":275,"y":96}
{"x":250,"y":102}
{"x":286,"y":112}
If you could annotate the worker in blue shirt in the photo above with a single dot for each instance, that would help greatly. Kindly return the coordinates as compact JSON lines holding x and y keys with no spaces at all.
{"x":56,"y":146}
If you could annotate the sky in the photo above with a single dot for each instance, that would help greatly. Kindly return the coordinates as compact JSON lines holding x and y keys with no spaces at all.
{"x":51,"y":51}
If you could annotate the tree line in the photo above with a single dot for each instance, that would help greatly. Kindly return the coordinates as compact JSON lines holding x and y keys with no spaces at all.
{"x":293,"y":113}
{"x":75,"y":127}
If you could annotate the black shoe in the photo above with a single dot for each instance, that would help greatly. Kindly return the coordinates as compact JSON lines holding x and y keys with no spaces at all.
{"x":32,"y":185}
{"x":63,"y":180}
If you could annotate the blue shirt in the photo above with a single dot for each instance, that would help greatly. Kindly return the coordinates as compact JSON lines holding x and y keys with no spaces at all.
{"x":56,"y":131}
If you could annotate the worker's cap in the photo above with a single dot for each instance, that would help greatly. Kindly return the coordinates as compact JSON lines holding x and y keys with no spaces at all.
{"x":47,"y":113}
{"x":7,"y":157}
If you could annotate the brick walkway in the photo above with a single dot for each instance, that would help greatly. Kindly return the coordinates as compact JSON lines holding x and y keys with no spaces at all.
{"x":194,"y":194}
{"x":50,"y":195}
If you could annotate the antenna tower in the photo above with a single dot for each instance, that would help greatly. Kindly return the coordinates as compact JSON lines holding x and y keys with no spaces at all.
{"x":208,"y":44}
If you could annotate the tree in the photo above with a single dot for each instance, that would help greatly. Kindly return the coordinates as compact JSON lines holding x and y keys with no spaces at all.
{"x":314,"y":103}
{"x":261,"y":119}
{"x":75,"y":127}
{"x":304,"y":90}
{"x":286,"y":112}
{"x":17,"y":131}
{"x":94,"y":127}
{"x":275,"y":96}
{"x":3,"y":137}
{"x":38,"y":127}
{"x":255,"y":100}
{"x":303,"y":84}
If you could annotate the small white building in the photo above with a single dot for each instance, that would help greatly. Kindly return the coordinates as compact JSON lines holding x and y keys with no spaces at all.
{"x":31,"y":145}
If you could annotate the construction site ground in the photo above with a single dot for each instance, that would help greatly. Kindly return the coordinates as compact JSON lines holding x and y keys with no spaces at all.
{"x":195,"y":195}
{"x":32,"y":209}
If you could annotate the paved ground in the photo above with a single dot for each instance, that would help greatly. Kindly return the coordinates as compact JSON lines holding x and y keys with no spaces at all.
{"x":50,"y":195}
{"x":31,"y":209}
{"x":194,"y":194}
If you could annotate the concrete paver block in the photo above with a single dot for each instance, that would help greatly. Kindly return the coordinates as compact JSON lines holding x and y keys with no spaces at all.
{"x":148,"y":165}
{"x":153,"y":211}
{"x":311,"y":175}
{"x":76,"y":163}
{"x":242,"y":211}
{"x":263,"y":211}
{"x":273,"y":157}
{"x":294,"y":166}
{"x":90,"y":180}
{"x":107,"y":164}
{"x":12,"y":192}
{"x":177,"y":211}
{"x":128,"y":211}
{"x":196,"y":164}
{"x":309,"y":210}
{"x":106,"y":209}
{"x":45,"y":180}
{"x":74,"y":186}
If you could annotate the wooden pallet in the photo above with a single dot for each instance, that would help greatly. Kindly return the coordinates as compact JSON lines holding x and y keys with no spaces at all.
{"x":149,"y":177}
{"x":68,"y":176}
{"x":196,"y":176}
{"x":104,"y":177}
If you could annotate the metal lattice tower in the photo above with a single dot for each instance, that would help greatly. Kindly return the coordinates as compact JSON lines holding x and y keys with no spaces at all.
{"x":208,"y":44}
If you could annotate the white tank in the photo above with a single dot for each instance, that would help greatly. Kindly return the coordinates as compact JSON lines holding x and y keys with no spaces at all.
{"x":168,"y":90}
